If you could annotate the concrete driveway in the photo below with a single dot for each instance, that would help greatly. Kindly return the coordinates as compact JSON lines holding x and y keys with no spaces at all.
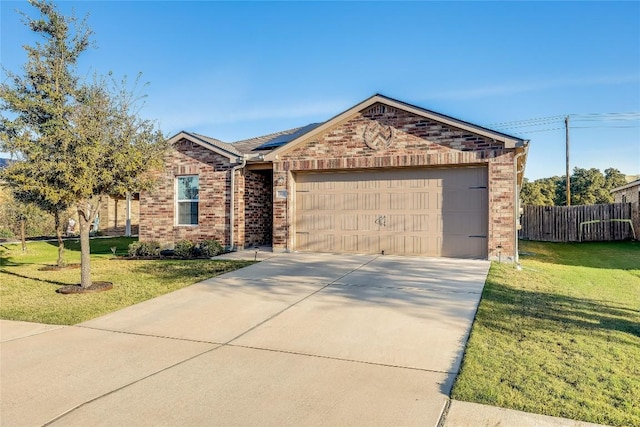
{"x":299,"y":339}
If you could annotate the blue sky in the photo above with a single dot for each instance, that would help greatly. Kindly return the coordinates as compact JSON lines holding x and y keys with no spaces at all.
{"x":233,"y":70}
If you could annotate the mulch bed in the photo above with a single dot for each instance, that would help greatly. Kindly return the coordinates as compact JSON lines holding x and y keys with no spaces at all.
{"x":58,"y":268}
{"x":77,"y":289}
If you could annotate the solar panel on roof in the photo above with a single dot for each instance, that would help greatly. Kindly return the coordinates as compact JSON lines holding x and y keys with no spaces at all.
{"x":280,"y":140}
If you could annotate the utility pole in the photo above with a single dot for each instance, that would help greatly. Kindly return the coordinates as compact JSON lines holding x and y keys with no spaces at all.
{"x":566,"y":125}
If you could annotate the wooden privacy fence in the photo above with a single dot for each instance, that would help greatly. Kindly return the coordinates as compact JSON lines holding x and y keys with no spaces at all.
{"x":577,"y":223}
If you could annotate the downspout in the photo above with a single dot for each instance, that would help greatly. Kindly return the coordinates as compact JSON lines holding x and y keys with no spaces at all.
{"x":516,"y":207}
{"x":232,"y":207}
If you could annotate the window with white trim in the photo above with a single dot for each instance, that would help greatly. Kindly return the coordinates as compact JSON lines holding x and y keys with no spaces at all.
{"x":187,"y":189}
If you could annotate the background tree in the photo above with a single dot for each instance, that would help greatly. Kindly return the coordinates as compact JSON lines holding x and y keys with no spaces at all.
{"x":24,"y":182}
{"x":588,"y":187}
{"x":75,"y":142}
{"x":38,"y":222}
{"x":541,"y":192}
{"x":614,"y":178}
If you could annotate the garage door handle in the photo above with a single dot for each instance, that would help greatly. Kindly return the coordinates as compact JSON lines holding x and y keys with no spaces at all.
{"x":381,"y":221}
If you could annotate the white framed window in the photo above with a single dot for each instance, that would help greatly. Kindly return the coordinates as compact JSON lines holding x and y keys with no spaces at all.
{"x":187,"y":199}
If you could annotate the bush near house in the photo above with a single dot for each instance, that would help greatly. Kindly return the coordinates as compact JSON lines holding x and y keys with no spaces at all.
{"x":562,"y":336}
{"x":144,"y":249}
{"x":184,"y":249}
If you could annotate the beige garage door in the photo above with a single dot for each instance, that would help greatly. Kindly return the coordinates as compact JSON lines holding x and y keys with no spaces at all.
{"x":426,"y":211}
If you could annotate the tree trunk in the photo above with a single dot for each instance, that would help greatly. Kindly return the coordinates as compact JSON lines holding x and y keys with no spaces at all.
{"x":23,"y":234}
{"x":60,"y":262}
{"x":84,"y":220}
{"x":86,"y":215}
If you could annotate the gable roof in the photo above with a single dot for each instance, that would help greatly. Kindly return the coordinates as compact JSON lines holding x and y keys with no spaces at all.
{"x":212,"y":144}
{"x":252,"y":144}
{"x":626,"y":186}
{"x":509,"y":141}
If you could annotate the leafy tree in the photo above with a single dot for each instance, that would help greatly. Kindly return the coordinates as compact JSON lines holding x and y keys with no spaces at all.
{"x":76,"y":142}
{"x":41,"y":103}
{"x":23,"y":180}
{"x":613,"y":178}
{"x":588,"y":187}
{"x":12,"y":211}
{"x":541,"y":192}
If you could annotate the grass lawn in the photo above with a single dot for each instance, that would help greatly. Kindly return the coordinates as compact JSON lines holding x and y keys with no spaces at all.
{"x":562,"y":336}
{"x":27,"y":293}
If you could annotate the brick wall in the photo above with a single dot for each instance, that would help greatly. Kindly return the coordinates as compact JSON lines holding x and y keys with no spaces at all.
{"x":157,"y":207}
{"x":258,"y":212}
{"x":416,"y":141}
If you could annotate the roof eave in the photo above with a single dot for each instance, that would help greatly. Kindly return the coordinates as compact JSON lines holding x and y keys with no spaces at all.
{"x":195,"y":139}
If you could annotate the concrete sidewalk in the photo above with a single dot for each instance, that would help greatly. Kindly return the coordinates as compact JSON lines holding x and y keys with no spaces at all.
{"x":463,"y":414}
{"x":298,"y":339}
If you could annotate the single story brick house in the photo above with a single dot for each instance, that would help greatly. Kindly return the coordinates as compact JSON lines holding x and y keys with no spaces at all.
{"x":630,"y":193}
{"x":382,"y":177}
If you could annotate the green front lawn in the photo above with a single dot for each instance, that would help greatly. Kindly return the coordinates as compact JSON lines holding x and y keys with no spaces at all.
{"x":562,"y":336}
{"x":28,"y":293}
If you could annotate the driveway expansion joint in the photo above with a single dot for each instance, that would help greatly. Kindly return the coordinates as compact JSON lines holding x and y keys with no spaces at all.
{"x":445,"y":412}
{"x":150,"y":335}
{"x":297,"y":353}
{"x":33,"y":334}
{"x":409,"y":288}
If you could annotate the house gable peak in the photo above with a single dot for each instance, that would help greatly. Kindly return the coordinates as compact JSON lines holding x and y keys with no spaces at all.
{"x":215,"y":145}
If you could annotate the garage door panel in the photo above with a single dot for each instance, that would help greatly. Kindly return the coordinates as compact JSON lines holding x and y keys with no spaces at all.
{"x":350,"y":202}
{"x":425,"y":211}
{"x":318,"y":222}
{"x":349,"y":222}
{"x":368,"y":222}
{"x":462,"y":247}
{"x":463,"y":200}
{"x":396,"y":223}
{"x":463,"y":224}
{"x":420,"y":200}
{"x":369,"y":201}
{"x":369,"y":244}
{"x":420,"y":223}
{"x":317,"y":242}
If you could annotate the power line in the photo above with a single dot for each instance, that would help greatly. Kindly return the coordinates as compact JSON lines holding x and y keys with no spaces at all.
{"x":604,"y":127}
{"x":593,"y":117}
{"x":527,"y":126}
{"x":543,"y":130}
{"x":517,"y":122}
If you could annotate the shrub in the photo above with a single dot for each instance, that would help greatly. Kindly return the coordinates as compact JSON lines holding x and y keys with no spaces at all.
{"x":133,"y":248}
{"x":210,"y":248}
{"x":150,"y":249}
{"x":144,"y":249}
{"x":184,"y":249}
